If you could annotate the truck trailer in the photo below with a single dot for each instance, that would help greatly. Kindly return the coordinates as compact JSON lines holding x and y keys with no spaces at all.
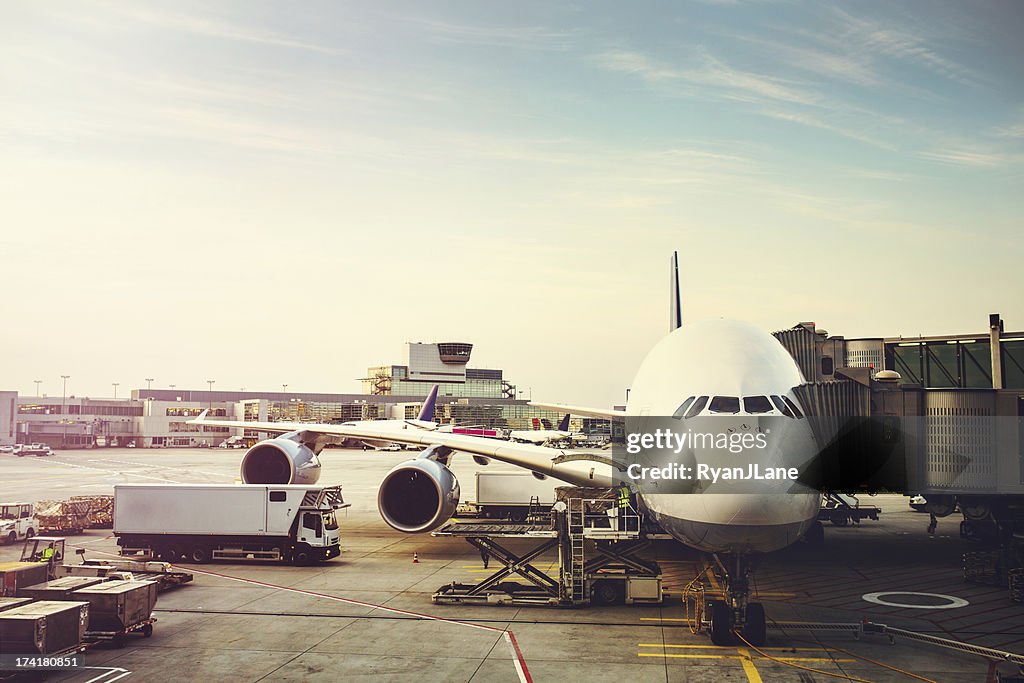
{"x":203,"y":522}
{"x":508,"y":495}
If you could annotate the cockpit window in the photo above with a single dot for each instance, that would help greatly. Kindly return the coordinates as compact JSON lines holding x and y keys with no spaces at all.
{"x":793,"y":407}
{"x":781,"y":405}
{"x":757,"y":404}
{"x":681,"y":410}
{"x":697,"y":406}
{"x":725,"y":404}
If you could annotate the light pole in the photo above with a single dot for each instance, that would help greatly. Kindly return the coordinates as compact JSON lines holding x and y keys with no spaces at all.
{"x":64,"y":410}
{"x":149,"y":383}
{"x":38,"y":382}
{"x":115,"y":385}
{"x":210,"y":383}
{"x":284,"y":401}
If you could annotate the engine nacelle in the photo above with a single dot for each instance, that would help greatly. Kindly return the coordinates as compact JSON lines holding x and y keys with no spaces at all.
{"x":280,"y":461}
{"x":418,"y":495}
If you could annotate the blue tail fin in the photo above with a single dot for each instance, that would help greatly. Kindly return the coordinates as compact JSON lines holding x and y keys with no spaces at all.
{"x":676,"y":311}
{"x":427,"y":411}
{"x":563,"y":426}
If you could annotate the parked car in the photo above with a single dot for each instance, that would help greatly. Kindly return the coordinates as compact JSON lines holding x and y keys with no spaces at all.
{"x":6,"y":449}
{"x":37,"y":449}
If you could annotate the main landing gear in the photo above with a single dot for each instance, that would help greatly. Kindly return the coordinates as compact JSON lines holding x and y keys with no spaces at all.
{"x":731,"y":612}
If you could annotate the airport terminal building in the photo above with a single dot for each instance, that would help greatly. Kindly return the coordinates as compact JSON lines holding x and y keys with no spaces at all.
{"x":475,"y":397}
{"x":159,"y":417}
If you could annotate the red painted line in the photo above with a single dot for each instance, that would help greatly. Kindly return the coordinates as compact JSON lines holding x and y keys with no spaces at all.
{"x":524,"y":673}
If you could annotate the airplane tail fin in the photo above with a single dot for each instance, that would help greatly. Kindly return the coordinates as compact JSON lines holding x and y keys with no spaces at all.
{"x":427,"y":411}
{"x":676,"y":311}
{"x":563,"y":426}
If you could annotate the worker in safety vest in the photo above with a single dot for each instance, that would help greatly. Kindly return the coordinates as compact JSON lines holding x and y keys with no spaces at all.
{"x":624,"y":505}
{"x":48,"y":553}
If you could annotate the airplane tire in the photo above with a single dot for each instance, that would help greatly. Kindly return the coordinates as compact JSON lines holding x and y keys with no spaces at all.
{"x":815,"y":534}
{"x":756,"y":628}
{"x":721,"y":624}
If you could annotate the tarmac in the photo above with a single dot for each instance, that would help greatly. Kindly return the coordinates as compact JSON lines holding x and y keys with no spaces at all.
{"x":368,"y":614}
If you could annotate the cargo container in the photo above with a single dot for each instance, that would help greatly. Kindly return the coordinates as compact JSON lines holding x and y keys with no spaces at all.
{"x":44,"y":628}
{"x":14,"y":575}
{"x":204,"y":522}
{"x":118,"y":607}
{"x":11,"y":603}
{"x":58,"y":589}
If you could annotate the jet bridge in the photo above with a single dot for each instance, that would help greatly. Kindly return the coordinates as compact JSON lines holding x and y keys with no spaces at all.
{"x":597,"y":544}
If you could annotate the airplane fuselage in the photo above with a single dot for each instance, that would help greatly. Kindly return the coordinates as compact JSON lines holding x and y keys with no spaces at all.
{"x":730,"y":361}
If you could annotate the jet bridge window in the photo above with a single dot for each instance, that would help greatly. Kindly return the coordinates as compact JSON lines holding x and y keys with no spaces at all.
{"x":725,"y":404}
{"x":781,"y":405}
{"x":681,"y":410}
{"x":697,"y":406}
{"x":757,"y":404}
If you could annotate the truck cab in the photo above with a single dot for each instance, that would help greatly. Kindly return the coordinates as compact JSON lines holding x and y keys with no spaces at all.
{"x":317,"y":537}
{"x":17,"y":522}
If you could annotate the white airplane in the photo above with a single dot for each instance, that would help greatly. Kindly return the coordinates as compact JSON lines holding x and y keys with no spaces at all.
{"x":726,"y":369}
{"x":541,"y":436}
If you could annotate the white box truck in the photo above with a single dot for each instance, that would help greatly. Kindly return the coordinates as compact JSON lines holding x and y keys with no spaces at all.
{"x":203,"y":522}
{"x":507,"y":495}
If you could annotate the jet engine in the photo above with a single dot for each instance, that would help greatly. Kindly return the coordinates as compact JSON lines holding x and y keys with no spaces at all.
{"x":418,"y":495}
{"x":280,"y":461}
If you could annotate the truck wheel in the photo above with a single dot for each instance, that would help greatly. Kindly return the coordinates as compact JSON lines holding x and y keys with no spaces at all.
{"x":30,"y":533}
{"x":604,"y":593}
{"x":170,"y":554}
{"x":200,"y":555}
{"x":12,"y":538}
{"x":302,"y":557}
{"x":839,"y":518}
{"x":517,"y":515}
{"x":147,"y":630}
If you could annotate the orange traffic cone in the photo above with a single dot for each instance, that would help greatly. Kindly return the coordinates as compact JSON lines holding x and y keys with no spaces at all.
{"x":415,"y":558}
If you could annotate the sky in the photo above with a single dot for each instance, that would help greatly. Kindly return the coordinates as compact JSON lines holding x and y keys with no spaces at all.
{"x":266,"y":194}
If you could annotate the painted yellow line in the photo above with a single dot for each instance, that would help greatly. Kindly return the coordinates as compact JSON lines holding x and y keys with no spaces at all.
{"x":670,"y":655}
{"x":794,"y":650}
{"x":748,"y":666}
{"x":675,"y":656}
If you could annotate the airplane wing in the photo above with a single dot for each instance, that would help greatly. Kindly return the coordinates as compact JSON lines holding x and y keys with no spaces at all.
{"x":575,"y":467}
{"x":607,"y":413}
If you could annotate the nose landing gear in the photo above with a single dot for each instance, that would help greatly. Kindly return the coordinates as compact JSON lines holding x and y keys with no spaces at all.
{"x":733,"y":612}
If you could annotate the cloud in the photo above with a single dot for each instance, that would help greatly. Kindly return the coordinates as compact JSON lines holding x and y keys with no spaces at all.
{"x":214,"y":28}
{"x":971,"y":157}
{"x":523,"y":37}
{"x":901,"y":44}
{"x":725,"y":81}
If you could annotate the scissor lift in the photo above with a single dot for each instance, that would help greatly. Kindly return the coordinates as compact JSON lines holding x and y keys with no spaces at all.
{"x":597,"y":545}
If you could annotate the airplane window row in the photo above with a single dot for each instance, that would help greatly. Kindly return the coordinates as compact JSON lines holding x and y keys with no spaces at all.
{"x":730,"y":405}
